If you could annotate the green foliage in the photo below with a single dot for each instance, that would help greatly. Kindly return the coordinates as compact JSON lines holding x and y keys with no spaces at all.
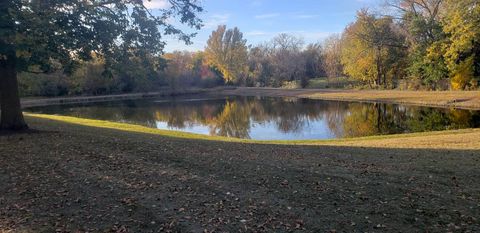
{"x":425,"y":34}
{"x":372,"y":50}
{"x":121,"y":39}
{"x":93,"y":78}
{"x":90,"y":78}
{"x":54,"y":84}
{"x":429,"y":69}
{"x":462,"y":47}
{"x":46,"y":32}
{"x":434,"y":44}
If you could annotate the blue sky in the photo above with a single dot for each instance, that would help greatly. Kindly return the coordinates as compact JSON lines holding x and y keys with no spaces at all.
{"x":261,"y":20}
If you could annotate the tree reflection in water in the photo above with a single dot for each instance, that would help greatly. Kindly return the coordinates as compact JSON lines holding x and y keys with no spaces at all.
{"x":238,"y":116}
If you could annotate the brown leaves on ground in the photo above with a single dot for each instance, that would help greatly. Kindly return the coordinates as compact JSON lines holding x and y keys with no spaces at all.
{"x":70,"y":178}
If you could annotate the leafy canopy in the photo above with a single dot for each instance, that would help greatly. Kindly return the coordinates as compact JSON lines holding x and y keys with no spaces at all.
{"x":67,"y":31}
{"x":372,"y":48}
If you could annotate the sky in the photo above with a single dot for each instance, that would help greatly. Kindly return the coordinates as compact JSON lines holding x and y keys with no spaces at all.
{"x":261,"y":20}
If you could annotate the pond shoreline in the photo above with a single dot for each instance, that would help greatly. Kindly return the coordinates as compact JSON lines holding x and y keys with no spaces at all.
{"x":73,"y":174}
{"x":44,"y":101}
{"x":469,"y":100}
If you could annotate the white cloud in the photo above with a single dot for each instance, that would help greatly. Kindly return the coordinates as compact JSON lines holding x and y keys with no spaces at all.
{"x":214,"y":20}
{"x":156,"y":4}
{"x":267,"y":16}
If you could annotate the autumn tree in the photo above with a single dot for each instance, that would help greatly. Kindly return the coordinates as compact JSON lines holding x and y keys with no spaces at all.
{"x":179,"y":70}
{"x":372,"y":49}
{"x":227,"y":51}
{"x":34,"y":34}
{"x":421,"y":22}
{"x":332,"y":51}
{"x":462,"y":45}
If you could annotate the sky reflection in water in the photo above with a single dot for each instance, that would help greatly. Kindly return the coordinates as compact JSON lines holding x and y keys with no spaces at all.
{"x":271,"y":118}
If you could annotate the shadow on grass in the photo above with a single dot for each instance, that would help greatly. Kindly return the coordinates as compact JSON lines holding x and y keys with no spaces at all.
{"x":97,"y":179}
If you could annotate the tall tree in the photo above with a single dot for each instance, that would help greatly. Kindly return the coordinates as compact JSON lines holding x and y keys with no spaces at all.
{"x":259,"y":65}
{"x":33,"y":33}
{"x":462,"y":46}
{"x":372,"y":49}
{"x":332,"y":52}
{"x":286,"y":58}
{"x":421,"y":21}
{"x":227,"y":51}
{"x":314,"y":60}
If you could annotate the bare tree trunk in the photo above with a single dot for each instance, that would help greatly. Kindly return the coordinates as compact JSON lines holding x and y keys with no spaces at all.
{"x":11,"y":117}
{"x":11,"y":112}
{"x":379,"y":68}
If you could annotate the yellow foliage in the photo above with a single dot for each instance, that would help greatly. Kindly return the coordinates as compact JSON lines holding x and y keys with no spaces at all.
{"x":463,"y":28}
{"x":463,"y":74}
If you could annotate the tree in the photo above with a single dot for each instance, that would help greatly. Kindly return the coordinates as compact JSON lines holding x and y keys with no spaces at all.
{"x":34,"y":33}
{"x":313,"y":63}
{"x":227,"y":51}
{"x":332,"y":52}
{"x":421,"y":22}
{"x":462,"y":46}
{"x":372,"y":49}
{"x":286,"y":58}
{"x":179,"y":71}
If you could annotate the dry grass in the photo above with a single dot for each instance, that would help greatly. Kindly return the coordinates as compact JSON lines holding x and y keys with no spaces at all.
{"x":457,"y":99}
{"x":451,"y":139}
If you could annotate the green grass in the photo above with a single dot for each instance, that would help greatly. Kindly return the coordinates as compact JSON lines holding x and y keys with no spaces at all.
{"x":74,"y":174}
{"x":437,"y":139}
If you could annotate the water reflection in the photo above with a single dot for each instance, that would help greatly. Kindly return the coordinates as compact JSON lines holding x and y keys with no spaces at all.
{"x":274,"y":118}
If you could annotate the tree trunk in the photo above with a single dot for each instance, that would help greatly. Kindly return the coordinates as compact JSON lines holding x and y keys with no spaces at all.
{"x":11,"y":117}
{"x":379,"y":67}
{"x":11,"y":112}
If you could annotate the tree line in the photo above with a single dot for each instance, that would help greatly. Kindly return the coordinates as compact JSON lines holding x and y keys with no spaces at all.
{"x":82,"y":47}
{"x":419,"y":44}
{"x":48,"y":36}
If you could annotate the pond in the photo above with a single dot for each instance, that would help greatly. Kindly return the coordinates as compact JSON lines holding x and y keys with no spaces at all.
{"x":272,"y":118}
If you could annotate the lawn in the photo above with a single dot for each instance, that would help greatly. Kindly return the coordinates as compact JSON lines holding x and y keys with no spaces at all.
{"x":84,"y":175}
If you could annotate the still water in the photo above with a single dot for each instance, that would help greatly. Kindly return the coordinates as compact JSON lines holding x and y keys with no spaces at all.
{"x":268,"y":118}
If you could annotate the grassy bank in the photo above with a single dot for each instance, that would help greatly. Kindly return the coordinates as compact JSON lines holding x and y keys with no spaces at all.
{"x":451,"y":139}
{"x":457,"y":99}
{"x":90,"y":175}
